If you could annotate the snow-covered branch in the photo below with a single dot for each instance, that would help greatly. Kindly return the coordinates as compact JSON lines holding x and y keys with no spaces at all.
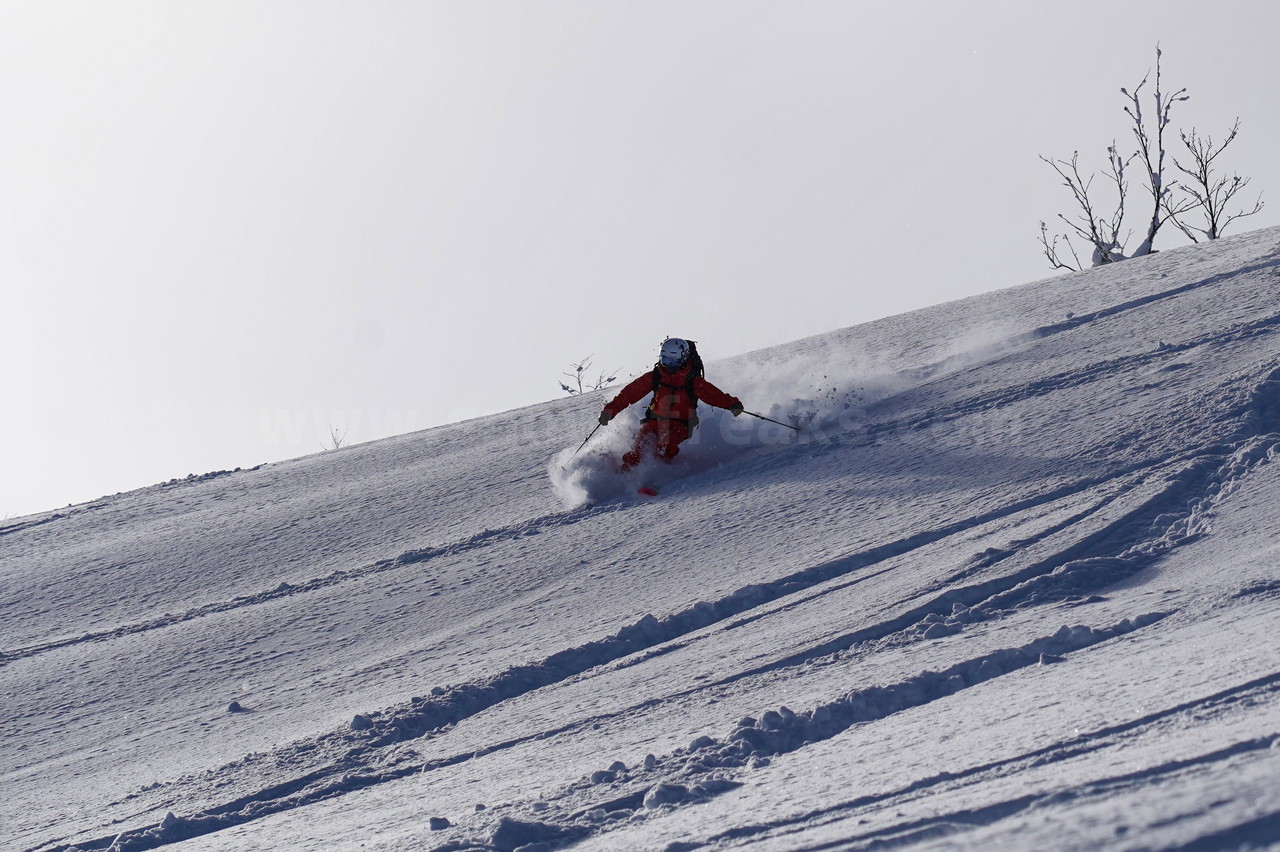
{"x":1151,"y":149}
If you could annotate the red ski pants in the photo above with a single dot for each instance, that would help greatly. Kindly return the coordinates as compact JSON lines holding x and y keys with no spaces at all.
{"x":661,"y":438}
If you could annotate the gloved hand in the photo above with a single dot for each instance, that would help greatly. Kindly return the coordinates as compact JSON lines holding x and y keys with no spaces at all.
{"x":735,"y":409}
{"x":605,"y":417}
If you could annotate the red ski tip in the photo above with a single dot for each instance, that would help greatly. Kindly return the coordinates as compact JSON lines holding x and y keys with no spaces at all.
{"x":647,"y":491}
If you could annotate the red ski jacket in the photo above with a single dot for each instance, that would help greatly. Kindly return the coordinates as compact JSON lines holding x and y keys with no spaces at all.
{"x":675,"y":396}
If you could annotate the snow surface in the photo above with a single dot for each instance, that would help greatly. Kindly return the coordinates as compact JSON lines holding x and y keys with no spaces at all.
{"x":1016,"y":585}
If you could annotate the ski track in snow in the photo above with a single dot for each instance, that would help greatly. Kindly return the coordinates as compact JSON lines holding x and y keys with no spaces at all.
{"x":1117,"y":523}
{"x":903,"y":834}
{"x":1101,"y":560}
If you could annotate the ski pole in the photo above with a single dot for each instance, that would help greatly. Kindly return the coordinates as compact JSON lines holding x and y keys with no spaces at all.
{"x":589,"y":437}
{"x":771,"y":420}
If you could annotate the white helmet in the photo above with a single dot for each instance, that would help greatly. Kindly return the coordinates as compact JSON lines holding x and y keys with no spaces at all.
{"x":675,"y":353}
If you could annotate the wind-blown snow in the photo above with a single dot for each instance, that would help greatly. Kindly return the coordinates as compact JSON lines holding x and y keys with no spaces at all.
{"x":1013,"y":585}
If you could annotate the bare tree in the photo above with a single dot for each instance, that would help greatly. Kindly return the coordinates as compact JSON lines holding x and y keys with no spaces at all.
{"x":1151,"y":149}
{"x":1209,"y":194}
{"x":581,"y":384}
{"x":1103,"y":233}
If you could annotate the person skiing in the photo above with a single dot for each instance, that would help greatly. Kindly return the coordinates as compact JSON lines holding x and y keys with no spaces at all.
{"x":677,"y":385}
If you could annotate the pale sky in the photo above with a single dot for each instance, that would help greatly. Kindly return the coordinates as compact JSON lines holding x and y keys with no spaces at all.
{"x":229,"y":226}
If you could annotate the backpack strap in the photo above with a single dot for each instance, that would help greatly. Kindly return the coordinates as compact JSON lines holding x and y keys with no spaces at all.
{"x":687,"y":387}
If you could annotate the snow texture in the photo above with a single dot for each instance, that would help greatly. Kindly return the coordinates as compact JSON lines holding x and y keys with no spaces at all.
{"x":1013,"y":585}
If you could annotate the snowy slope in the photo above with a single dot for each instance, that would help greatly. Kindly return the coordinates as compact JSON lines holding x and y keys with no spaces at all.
{"x":1015,"y":584}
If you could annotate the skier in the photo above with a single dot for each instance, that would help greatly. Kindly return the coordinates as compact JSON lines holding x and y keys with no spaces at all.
{"x":677,"y":385}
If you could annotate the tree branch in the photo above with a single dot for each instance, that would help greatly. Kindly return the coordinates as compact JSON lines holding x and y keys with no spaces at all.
{"x":1210,"y":194}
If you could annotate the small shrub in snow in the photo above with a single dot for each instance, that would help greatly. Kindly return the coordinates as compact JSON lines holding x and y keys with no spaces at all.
{"x":581,"y":384}
{"x":337,"y":438}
